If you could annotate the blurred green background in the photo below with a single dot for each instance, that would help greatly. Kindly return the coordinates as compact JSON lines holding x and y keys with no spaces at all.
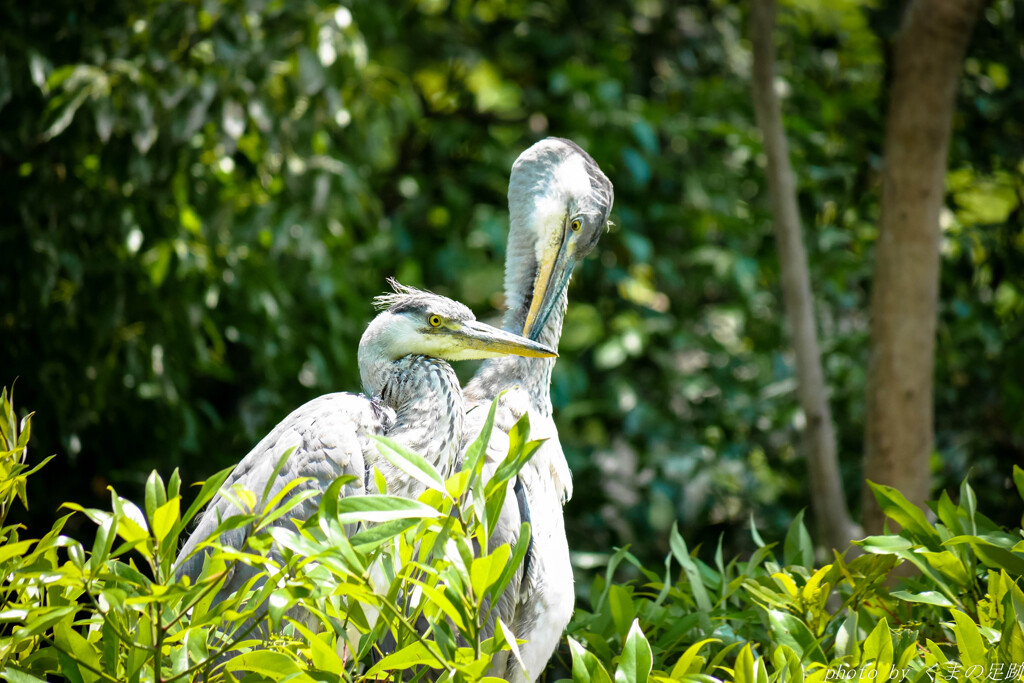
{"x":201,"y":198}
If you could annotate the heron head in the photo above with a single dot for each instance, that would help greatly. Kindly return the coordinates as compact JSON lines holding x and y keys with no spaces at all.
{"x":559,"y":194}
{"x":426,"y":324}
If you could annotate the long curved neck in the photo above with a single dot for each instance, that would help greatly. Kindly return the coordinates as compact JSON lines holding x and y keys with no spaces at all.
{"x":532,"y":374}
{"x":429,"y":409}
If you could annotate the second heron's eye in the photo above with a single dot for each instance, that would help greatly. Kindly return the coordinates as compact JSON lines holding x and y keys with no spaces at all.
{"x":434,"y":320}
{"x":576,"y":224}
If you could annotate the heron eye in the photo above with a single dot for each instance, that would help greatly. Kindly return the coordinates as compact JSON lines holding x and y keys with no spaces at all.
{"x":434,"y":320}
{"x":576,"y":225}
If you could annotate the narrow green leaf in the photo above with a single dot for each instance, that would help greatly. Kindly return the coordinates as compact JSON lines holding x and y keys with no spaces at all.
{"x":382,"y":509}
{"x":968,"y":640}
{"x":207,"y":491}
{"x":636,"y":660}
{"x":413,"y":464}
{"x":272,"y":665}
{"x":1018,"y":480}
{"x":700,"y":594}
{"x":878,"y":649}
{"x":415,"y":654}
{"x":798,"y":548}
{"x":906,"y":514}
{"x":684,"y":664}
{"x":17,"y":676}
{"x":586,"y":668}
{"x":272,"y":479}
{"x":156,"y":495}
{"x":164,"y":518}
{"x":474,"y":453}
{"x":620,"y":604}
{"x":926,"y":597}
{"x":513,"y":645}
{"x":744,"y":670}
{"x":485,"y":571}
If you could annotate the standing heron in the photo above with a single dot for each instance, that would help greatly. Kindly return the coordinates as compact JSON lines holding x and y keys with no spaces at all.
{"x":559,"y":202}
{"x":411,"y":395}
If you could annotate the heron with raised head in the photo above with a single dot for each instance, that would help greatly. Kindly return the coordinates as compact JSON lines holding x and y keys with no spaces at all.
{"x":412,"y":396}
{"x":559,"y":203}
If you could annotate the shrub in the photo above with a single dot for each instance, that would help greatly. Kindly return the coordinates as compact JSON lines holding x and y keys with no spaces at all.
{"x":413,"y":576}
{"x":117,"y":612}
{"x":779,"y":617}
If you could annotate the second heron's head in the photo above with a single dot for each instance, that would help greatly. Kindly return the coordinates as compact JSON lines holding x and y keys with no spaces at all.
{"x":559,"y":203}
{"x":414,"y":322}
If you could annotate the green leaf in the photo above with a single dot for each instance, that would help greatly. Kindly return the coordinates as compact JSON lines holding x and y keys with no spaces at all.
{"x":685,"y":664}
{"x":378,"y":534}
{"x":486,"y":571}
{"x":272,"y":665}
{"x":16,"y":676}
{"x":968,"y":640}
{"x":1018,"y":480}
{"x":878,"y":649}
{"x":700,"y":594}
{"x":101,"y":547}
{"x":474,"y":454}
{"x":789,"y":630}
{"x":906,"y":514}
{"x":993,"y":555}
{"x":84,"y":652}
{"x":382,"y":509}
{"x":164,"y":518}
{"x":744,"y":670}
{"x":636,"y":660}
{"x":155,"y":493}
{"x":416,"y":654}
{"x":272,"y":479}
{"x":323,"y":656}
{"x":798,"y":548}
{"x":925,"y":597}
{"x":206,"y":493}
{"x":787,"y":665}
{"x":620,"y":604}
{"x":586,"y":668}
{"x":413,"y":464}
{"x":513,"y":646}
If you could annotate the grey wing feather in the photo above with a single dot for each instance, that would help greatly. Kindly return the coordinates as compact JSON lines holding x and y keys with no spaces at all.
{"x":330,"y":437}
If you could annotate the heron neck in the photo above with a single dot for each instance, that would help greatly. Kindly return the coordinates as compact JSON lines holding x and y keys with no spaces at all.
{"x":429,"y":410}
{"x":532,"y":374}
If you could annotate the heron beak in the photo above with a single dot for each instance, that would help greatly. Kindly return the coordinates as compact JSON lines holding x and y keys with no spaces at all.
{"x":552,"y":278}
{"x":475,"y":340}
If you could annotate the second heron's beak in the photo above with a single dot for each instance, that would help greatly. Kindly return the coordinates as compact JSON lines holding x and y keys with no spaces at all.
{"x":553,"y":274}
{"x":471,"y":340}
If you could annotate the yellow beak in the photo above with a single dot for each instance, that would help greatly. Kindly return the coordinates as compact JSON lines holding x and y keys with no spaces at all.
{"x":552,"y":278}
{"x":471,"y":340}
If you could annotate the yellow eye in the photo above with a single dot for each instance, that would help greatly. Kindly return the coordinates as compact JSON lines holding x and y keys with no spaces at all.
{"x":576,"y":225}
{"x":434,"y":320}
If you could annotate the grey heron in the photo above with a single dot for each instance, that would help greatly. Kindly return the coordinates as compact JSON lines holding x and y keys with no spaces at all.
{"x":559,"y":203}
{"x":412,"y":396}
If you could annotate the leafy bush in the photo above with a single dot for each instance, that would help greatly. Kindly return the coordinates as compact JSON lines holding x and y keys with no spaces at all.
{"x":116,"y":612}
{"x":769,"y":620}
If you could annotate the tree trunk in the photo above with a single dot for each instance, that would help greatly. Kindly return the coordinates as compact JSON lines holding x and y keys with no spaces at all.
{"x":899,"y":422}
{"x":828,"y":501}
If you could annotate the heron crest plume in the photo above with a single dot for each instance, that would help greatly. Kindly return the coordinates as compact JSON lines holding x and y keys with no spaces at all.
{"x":406,"y":299}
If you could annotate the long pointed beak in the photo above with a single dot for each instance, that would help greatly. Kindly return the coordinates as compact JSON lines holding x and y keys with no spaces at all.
{"x":473,"y":340}
{"x":552,"y":278}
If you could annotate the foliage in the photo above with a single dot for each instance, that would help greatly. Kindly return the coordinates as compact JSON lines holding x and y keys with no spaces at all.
{"x":119,"y":612}
{"x":779,"y":617}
